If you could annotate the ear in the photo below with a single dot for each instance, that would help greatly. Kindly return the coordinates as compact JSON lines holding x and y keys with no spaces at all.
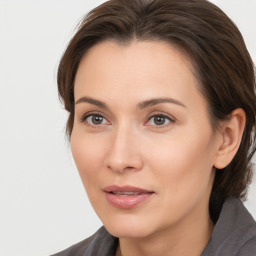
{"x":230,"y":138}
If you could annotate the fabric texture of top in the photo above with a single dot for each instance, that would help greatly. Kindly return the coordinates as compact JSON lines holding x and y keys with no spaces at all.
{"x":234,"y":235}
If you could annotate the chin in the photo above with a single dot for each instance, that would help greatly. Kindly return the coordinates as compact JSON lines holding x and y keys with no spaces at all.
{"x":129,"y":227}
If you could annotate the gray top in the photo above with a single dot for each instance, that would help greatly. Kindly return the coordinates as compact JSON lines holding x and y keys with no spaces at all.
{"x":234,"y":235}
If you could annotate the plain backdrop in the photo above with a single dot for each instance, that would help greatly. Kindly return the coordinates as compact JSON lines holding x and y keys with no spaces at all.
{"x":43,"y":206}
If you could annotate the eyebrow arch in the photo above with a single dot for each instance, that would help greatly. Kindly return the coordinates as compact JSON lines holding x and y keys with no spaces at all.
{"x":98,"y":103}
{"x":155,"y":101}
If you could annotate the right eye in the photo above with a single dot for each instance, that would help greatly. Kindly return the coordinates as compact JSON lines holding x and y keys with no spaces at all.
{"x":94,"y":120}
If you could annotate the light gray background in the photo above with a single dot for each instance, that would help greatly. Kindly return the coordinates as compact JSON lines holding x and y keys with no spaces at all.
{"x":43,"y":206}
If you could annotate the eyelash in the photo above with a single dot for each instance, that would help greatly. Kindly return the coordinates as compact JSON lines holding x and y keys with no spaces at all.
{"x":166,"y":117}
{"x":91,"y":114}
{"x":152,"y":116}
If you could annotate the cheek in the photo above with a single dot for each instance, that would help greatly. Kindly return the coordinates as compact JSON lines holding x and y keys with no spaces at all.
{"x":183,"y":163}
{"x":89,"y":157}
{"x":182,"y":171}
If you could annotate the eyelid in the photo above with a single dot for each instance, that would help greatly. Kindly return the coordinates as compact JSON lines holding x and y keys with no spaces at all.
{"x":163,"y":114}
{"x":91,"y":113}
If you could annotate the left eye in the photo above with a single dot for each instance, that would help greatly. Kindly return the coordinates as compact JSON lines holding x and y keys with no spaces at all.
{"x":159,"y":120}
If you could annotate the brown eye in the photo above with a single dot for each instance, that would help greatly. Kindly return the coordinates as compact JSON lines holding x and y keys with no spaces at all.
{"x":159,"y":120}
{"x":95,"y":119}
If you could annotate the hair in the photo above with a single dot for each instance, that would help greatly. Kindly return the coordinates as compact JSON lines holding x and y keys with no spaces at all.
{"x":224,"y":68}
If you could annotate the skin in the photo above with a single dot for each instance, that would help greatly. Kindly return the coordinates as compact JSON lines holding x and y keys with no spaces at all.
{"x":126,"y":146}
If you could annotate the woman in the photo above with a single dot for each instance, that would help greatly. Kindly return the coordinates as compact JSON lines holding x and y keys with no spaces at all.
{"x":161,"y":101}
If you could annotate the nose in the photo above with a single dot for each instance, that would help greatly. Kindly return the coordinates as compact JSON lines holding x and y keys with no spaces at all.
{"x":124,"y":152}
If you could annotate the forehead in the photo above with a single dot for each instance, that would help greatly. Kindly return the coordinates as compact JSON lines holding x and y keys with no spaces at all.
{"x":134,"y":66}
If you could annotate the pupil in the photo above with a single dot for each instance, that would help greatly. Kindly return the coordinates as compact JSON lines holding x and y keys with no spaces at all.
{"x":97,"y":119}
{"x":159,"y":120}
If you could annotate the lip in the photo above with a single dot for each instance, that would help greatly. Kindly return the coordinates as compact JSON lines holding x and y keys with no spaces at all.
{"x":126,"y":197}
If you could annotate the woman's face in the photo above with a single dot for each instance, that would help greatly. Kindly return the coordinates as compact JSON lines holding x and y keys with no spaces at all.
{"x":142,"y":139}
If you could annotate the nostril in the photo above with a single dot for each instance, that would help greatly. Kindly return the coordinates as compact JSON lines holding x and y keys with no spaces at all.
{"x":123,"y":162}
{"x":120,"y":169}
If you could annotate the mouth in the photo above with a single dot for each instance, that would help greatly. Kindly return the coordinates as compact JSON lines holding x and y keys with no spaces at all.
{"x":125,"y":193}
{"x":126,"y":197}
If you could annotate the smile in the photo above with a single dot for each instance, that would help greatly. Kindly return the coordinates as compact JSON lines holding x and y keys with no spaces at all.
{"x":126,"y":197}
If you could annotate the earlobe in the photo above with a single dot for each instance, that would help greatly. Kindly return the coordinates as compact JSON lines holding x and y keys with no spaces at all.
{"x":230,"y":138}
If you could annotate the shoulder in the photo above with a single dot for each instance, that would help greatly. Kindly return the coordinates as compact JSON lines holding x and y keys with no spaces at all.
{"x":101,"y":243}
{"x":249,"y":248}
{"x":234,"y":232}
{"x":76,"y":248}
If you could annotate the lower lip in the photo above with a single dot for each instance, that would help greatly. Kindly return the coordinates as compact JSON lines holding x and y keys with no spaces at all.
{"x":127,"y":202}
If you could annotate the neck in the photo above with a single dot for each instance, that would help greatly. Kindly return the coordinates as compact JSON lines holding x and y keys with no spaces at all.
{"x":187,"y":238}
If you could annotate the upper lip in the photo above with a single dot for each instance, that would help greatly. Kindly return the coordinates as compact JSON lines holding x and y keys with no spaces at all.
{"x":126,"y":188}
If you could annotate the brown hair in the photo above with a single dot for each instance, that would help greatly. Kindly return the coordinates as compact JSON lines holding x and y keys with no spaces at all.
{"x":211,"y":40}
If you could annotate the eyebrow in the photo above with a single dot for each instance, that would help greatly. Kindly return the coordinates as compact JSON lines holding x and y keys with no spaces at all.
{"x":141,"y":105}
{"x":98,"y":103}
{"x":155,"y":101}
